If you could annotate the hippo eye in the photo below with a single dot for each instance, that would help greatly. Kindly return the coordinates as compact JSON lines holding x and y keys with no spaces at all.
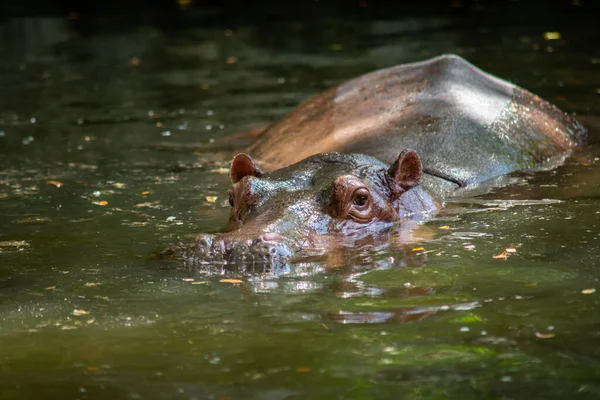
{"x":360,"y":200}
{"x":230,"y":197}
{"x":361,"y":210}
{"x":361,"y":197}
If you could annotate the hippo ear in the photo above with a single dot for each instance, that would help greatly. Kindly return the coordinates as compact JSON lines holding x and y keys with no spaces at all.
{"x":407,"y":169}
{"x":243,"y":165}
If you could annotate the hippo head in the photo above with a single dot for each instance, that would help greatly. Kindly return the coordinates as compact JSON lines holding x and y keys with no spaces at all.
{"x":303,"y":208}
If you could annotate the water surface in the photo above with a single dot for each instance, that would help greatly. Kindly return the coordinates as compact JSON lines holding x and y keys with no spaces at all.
{"x":92,"y":183}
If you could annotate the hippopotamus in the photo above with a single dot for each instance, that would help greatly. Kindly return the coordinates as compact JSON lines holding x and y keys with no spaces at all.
{"x":378,"y":154}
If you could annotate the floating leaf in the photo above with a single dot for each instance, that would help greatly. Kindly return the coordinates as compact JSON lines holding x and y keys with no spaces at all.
{"x":14,"y":243}
{"x":540,"y":335}
{"x":468,"y":319}
{"x":418,"y":248}
{"x":551,"y":35}
{"x":302,"y":369}
{"x":502,"y":255}
{"x":445,"y":227}
{"x":68,"y":327}
{"x":78,"y":313}
{"x":211,"y":199}
{"x":232,"y":281}
{"x":100,"y":203}
{"x":588,"y":291}
{"x":55,"y":183}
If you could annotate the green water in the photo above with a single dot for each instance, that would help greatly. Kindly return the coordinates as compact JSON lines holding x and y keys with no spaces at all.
{"x":86,"y":312}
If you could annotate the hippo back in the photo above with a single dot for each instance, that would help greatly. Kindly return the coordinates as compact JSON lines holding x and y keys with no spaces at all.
{"x":464,"y":123}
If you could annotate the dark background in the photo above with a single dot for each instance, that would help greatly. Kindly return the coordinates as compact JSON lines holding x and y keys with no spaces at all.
{"x":268,"y":9}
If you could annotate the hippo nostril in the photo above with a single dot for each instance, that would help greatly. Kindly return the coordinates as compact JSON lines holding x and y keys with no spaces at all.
{"x":222,"y":246}
{"x":271,"y":237}
{"x":204,"y":240}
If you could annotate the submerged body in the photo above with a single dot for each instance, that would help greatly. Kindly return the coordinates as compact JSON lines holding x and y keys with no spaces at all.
{"x":463,"y":125}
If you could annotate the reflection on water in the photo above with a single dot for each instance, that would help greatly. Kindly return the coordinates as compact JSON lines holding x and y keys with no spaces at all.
{"x":87,"y":196}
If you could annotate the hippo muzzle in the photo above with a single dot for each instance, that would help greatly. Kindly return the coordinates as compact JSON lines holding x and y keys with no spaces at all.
{"x":269,"y":252}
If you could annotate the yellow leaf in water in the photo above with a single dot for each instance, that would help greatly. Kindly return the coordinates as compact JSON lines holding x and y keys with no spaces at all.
{"x":77,"y":312}
{"x":502,"y":255}
{"x":232,"y":281}
{"x":100,"y":203}
{"x":445,"y":227}
{"x":303,"y":369}
{"x":50,"y":288}
{"x":418,"y":248}
{"x":588,"y":291}
{"x":91,"y":368}
{"x":55,"y":183}
{"x":211,"y":199}
{"x":544,"y":335}
{"x":146,"y":192}
{"x":551,"y":35}
{"x":200,"y":283}
{"x":510,"y":250}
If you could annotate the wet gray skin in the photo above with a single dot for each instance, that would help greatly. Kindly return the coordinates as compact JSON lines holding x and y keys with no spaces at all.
{"x":325,"y":201}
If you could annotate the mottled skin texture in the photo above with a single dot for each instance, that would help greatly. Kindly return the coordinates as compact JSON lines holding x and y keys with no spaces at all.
{"x":464,"y":126}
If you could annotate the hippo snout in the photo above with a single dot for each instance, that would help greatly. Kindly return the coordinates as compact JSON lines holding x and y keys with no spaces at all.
{"x":268,"y":253}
